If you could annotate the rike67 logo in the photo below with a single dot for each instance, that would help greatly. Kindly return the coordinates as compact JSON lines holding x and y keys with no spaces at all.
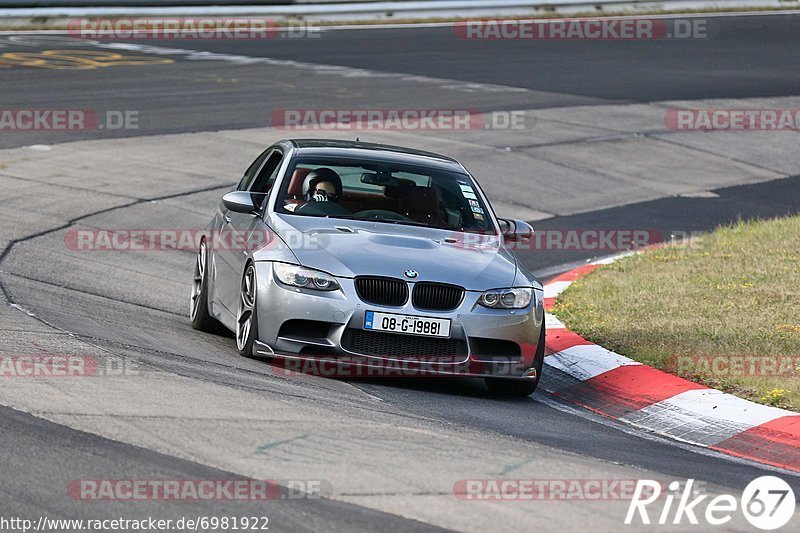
{"x":767,"y":503}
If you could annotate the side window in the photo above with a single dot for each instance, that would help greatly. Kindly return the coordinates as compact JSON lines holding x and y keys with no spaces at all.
{"x":266,"y":177}
{"x":250,"y":173}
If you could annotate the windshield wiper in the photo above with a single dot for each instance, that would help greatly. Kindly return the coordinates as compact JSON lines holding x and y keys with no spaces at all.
{"x":402,"y":222}
{"x":382,"y":219}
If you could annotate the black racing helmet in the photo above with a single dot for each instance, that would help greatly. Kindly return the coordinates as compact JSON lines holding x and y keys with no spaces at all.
{"x":319,"y":175}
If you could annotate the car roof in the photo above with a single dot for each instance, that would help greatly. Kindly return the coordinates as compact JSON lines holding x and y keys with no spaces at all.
{"x":373,"y":151}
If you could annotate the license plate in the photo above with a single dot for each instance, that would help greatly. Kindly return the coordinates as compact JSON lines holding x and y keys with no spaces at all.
{"x":412,"y":325}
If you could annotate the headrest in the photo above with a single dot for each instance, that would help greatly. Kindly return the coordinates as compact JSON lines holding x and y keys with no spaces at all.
{"x":296,"y":183}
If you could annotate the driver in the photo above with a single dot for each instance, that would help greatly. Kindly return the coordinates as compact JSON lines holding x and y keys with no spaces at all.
{"x":322,"y":185}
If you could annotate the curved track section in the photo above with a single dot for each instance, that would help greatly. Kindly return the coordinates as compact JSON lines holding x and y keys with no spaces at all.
{"x":168,"y":402}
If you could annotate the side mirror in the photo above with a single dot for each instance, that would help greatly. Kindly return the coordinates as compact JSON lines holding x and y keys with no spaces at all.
{"x":239,"y":202}
{"x":515,"y":230}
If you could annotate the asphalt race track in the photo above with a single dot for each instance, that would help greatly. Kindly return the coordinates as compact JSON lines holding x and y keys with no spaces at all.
{"x":743,"y":57}
{"x":594,"y":154}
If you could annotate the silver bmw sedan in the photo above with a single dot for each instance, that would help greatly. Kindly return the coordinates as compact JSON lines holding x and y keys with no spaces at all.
{"x":360,"y":259}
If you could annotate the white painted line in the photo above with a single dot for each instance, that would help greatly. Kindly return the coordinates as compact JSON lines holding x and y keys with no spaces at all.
{"x":612,"y":258}
{"x":704,"y":417}
{"x":699,"y":194}
{"x":712,"y":403}
{"x":551,"y":290}
{"x":587,"y":361}
{"x":552,"y":322}
{"x":316,"y":68}
{"x":644,"y":433}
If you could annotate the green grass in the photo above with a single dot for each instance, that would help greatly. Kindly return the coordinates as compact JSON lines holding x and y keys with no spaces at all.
{"x":732,"y":295}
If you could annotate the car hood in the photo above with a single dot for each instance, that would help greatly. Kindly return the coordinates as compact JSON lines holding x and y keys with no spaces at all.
{"x":349,"y":248}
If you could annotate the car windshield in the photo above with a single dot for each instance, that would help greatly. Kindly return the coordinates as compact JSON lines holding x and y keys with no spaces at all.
{"x":384,"y":192}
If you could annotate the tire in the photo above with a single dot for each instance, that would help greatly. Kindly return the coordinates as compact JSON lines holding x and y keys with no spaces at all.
{"x":521,"y":387}
{"x":247,"y":315}
{"x":198,"y":305}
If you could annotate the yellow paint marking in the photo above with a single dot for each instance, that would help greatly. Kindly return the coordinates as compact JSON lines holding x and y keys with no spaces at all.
{"x":75,"y":59}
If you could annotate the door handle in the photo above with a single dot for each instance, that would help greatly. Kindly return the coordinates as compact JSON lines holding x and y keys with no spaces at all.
{"x":227,"y":218}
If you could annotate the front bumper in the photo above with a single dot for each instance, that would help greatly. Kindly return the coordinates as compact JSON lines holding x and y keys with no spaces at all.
{"x":311,"y":329}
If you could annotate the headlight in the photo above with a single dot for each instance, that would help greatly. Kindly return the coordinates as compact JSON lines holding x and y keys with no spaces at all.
{"x":298,"y":276}
{"x":506,"y":298}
